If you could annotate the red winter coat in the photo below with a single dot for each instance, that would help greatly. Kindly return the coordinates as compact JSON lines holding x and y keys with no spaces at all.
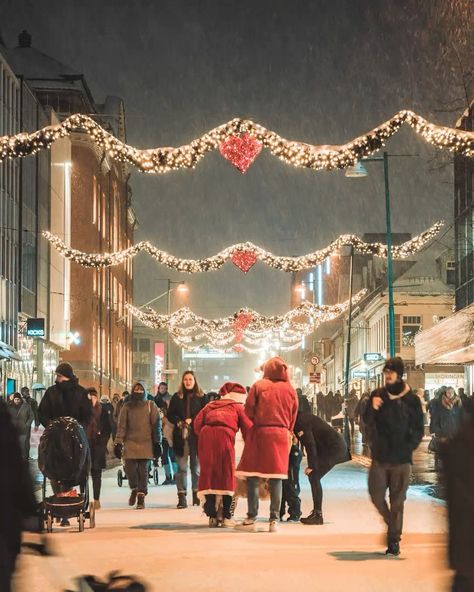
{"x":272,"y":405}
{"x":216,"y":426}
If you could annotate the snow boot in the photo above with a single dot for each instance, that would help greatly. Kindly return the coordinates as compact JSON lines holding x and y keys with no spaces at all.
{"x":393,"y":548}
{"x":141,"y":501}
{"x":133,"y":497}
{"x":182,"y":503}
{"x":315,"y":518}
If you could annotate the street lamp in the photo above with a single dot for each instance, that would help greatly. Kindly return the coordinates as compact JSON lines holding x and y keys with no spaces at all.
{"x":182,"y":288}
{"x":358,"y":171}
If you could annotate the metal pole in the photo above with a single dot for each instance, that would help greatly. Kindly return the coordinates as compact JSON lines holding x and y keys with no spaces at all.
{"x":391,"y":307}
{"x":347,"y":433}
{"x":167,"y":364}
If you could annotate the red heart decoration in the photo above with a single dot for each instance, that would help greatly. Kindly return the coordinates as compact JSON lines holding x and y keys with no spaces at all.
{"x":244,"y":260}
{"x":241,"y":151}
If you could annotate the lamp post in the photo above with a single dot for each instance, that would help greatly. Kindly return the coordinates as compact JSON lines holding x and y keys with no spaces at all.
{"x":347,"y":433}
{"x":181,"y":287}
{"x":358,"y":171}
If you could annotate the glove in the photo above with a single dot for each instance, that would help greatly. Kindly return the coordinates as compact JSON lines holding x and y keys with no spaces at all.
{"x":118,"y":450}
{"x":157,"y":450}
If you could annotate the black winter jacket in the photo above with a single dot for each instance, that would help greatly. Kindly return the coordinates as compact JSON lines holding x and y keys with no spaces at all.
{"x":183,"y":407}
{"x":395,"y":430}
{"x":324,"y":446}
{"x":65,"y":399}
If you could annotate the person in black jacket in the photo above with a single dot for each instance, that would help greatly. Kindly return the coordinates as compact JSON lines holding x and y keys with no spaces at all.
{"x":183,"y":408}
{"x":17,"y":500}
{"x":25,"y":393}
{"x":168,"y":460}
{"x":66,"y":398}
{"x":394,"y":420}
{"x":324,"y":448}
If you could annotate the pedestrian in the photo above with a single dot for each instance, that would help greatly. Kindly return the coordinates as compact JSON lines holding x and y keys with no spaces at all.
{"x":291,"y":486}
{"x":447,"y":415}
{"x":17,"y":500}
{"x":138,"y":441}
{"x":351,"y":406}
{"x":66,"y":398}
{"x":394,"y":420}
{"x":467,"y":402}
{"x":303,"y":402}
{"x":184,"y":406}
{"x":216,"y":426}
{"x":272,"y":406}
{"x":120,"y":403}
{"x":325,"y":448}
{"x":168,"y":459}
{"x":459,"y":474}
{"x":25,"y":393}
{"x":321,"y":402}
{"x":22,"y":417}
{"x":420,"y":393}
{"x":99,"y":431}
{"x":359,"y":417}
{"x":329,"y":405}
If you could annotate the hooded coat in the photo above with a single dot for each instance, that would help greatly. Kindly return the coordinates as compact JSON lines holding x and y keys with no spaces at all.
{"x":139,"y":427}
{"x":272,"y":406}
{"x":216,"y":426}
{"x":65,"y":399}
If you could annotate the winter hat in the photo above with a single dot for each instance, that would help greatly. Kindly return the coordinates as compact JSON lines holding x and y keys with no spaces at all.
{"x":65,"y":369}
{"x":396,"y":365}
{"x":231,"y":387}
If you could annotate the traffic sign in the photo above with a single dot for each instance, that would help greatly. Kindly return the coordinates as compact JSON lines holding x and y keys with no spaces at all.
{"x":315,"y":377}
{"x":315,"y":360}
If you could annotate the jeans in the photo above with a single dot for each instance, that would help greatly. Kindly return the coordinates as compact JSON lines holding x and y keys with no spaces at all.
{"x":396,"y":479}
{"x":291,"y":486}
{"x":190,"y":457}
{"x":275,"y":497}
{"x":167,"y":459}
{"x":137,"y":474}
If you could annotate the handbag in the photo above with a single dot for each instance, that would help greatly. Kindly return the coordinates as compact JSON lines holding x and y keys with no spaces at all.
{"x":434,"y":445}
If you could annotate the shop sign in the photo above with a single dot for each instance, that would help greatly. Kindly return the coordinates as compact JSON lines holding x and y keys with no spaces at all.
{"x":35,"y":328}
{"x":373,"y":357}
{"x":359,"y":374}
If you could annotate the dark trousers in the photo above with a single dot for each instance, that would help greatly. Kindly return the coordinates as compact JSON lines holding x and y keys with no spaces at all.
{"x":316,"y":488}
{"x":137,"y":474}
{"x":167,"y":458}
{"x":7,"y":565}
{"x":210,"y":508}
{"x":462,"y":583}
{"x":291,"y":486}
{"x":396,"y":479}
{"x":27,"y":443}
{"x":96,"y":475}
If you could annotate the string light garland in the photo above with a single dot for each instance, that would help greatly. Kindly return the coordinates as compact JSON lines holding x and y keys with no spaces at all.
{"x":245,"y":324}
{"x":298,"y":154}
{"x":244,"y":255}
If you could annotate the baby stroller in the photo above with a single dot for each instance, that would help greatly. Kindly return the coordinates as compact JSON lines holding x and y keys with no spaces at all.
{"x":122,"y":475}
{"x":64,"y":458}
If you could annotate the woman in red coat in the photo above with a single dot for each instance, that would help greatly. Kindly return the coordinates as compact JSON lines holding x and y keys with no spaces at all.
{"x":272,"y":406}
{"x":216,"y":426}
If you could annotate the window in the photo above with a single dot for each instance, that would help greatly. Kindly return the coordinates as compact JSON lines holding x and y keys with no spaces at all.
{"x":144,"y":345}
{"x":450,"y":272}
{"x":411,"y":326}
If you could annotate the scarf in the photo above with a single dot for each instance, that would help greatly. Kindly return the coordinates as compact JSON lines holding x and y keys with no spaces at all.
{"x":449,"y":403}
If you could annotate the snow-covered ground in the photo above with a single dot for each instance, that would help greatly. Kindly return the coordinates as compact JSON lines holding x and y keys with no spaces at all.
{"x":174,"y":550}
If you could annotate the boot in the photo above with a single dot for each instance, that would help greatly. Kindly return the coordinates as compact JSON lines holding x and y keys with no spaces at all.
{"x":393,"y":548}
{"x":313,"y":518}
{"x":133,"y":497}
{"x":141,"y":501}
{"x":196,"y":500}
{"x":213,"y":523}
{"x":182,"y":503}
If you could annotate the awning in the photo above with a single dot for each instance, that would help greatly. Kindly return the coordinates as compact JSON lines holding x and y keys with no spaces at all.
{"x":451,"y":341}
{"x":7,"y":352}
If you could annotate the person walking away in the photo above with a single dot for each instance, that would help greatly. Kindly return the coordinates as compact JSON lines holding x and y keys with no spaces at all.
{"x":272,"y":406}
{"x":291,"y":486}
{"x":22,"y":417}
{"x":98,"y":433}
{"x":325,"y":448}
{"x":303,"y":402}
{"x":168,"y":460}
{"x":359,"y":418}
{"x":329,"y":406}
{"x":17,"y":500}
{"x":459,"y":474}
{"x":321,"y":402}
{"x":216,"y":427}
{"x":183,"y":408}
{"x":138,"y":441}
{"x":25,"y":393}
{"x":395,"y":424}
{"x":351,"y":404}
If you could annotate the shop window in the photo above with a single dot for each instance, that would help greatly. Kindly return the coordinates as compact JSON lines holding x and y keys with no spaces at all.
{"x":411,"y":326}
{"x":450,"y":272}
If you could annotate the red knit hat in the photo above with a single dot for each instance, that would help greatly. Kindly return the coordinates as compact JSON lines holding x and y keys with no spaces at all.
{"x":231,"y":387}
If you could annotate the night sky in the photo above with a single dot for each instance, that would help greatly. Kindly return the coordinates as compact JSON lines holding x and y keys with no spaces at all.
{"x":317,"y":71}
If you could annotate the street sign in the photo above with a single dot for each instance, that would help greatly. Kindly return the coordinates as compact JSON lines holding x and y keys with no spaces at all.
{"x":373,"y":357}
{"x":315,"y":360}
{"x":315,"y":377}
{"x":170,"y":371}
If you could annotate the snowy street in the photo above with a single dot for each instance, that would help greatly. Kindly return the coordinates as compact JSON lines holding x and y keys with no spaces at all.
{"x":171,"y":549}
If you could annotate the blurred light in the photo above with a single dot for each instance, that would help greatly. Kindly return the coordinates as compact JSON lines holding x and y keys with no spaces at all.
{"x":358,"y":170}
{"x":74,"y":338}
{"x":183,"y":288}
{"x":320,"y":284}
{"x":328,"y":265}
{"x":311,"y":282}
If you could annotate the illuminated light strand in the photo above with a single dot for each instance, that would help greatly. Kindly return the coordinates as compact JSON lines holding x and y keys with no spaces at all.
{"x":288,"y":264}
{"x":299,"y":154}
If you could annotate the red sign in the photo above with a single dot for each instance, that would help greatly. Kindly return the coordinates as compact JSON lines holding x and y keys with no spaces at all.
{"x":315,"y":377}
{"x":159,"y":362}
